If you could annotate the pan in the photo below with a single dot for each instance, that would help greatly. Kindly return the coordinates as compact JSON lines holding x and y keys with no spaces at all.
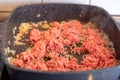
{"x":58,"y":12}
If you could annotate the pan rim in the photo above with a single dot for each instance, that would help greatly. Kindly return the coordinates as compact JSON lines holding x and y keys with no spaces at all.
{"x":48,"y":72}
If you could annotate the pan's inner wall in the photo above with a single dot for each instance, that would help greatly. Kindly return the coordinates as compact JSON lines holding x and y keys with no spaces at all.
{"x":61,"y":12}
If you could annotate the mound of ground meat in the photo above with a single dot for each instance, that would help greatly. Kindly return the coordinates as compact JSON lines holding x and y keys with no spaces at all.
{"x":55,"y":49}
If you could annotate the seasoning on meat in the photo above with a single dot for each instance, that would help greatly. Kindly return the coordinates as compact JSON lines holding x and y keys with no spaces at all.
{"x":58,"y":48}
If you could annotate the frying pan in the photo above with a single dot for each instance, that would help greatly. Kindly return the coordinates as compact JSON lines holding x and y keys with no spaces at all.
{"x":58,"y":12}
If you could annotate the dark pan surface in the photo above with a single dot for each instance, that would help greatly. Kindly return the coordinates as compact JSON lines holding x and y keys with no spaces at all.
{"x":59,"y":12}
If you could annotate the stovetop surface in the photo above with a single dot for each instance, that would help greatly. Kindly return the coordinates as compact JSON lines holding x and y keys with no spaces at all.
{"x":4,"y":74}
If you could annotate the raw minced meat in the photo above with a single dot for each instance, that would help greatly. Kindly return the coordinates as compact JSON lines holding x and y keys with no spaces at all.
{"x":55,"y":48}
